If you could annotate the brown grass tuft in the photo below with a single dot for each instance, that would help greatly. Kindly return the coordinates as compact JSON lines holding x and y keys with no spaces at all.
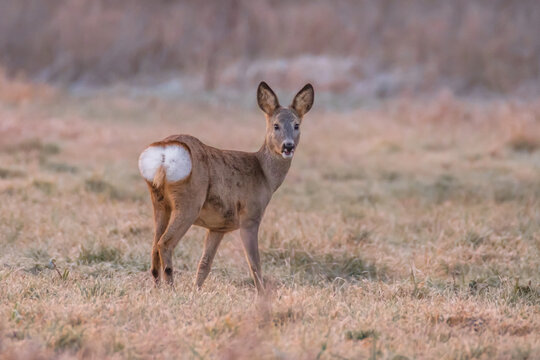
{"x":524,"y":143}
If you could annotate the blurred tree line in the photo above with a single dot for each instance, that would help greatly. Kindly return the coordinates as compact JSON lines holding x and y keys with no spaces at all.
{"x":489,"y":43}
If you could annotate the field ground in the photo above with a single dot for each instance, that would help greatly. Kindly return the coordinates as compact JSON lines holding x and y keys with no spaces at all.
{"x":407,"y":229}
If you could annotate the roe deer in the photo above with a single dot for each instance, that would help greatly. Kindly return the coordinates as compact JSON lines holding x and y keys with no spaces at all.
{"x":221,"y":190}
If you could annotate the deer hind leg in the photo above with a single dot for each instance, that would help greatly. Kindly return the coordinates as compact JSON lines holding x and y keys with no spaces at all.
{"x":162,"y":214}
{"x":179,"y":224}
{"x":159,"y":164}
{"x":250,"y":241}
{"x":211,"y":244}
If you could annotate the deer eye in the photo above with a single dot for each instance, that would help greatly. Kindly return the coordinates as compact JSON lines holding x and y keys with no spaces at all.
{"x":276,"y":127}
{"x":296,"y":126}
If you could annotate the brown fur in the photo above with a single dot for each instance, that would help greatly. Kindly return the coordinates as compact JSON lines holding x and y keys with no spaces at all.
{"x":159,"y":178}
{"x":226,"y":190}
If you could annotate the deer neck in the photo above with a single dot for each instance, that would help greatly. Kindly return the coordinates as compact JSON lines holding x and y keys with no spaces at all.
{"x":274,"y":166}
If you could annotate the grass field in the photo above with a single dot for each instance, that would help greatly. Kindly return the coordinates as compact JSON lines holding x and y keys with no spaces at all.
{"x":408,"y":229}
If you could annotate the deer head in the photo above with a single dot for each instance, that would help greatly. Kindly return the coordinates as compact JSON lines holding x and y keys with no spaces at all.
{"x":283,"y":123}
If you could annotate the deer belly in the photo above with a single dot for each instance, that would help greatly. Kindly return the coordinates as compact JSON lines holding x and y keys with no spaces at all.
{"x":215,"y":215}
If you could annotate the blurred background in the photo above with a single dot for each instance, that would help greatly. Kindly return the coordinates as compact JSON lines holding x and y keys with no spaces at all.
{"x":364,"y":49}
{"x":408,"y":226}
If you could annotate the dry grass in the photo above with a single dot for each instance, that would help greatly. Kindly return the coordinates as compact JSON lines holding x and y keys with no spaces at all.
{"x":408,"y":230}
{"x":18,"y":90}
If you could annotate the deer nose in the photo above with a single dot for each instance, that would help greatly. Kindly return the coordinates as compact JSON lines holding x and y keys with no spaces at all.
{"x":288,"y":145}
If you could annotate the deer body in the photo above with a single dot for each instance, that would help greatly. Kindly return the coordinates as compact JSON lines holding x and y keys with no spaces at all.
{"x":221,"y":190}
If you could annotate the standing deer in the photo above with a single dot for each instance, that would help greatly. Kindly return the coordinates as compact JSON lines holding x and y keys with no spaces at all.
{"x":221,"y":190}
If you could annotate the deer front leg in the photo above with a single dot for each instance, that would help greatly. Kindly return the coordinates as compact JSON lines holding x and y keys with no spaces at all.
{"x":250,"y":241}
{"x":179,"y":224}
{"x":211,"y":244}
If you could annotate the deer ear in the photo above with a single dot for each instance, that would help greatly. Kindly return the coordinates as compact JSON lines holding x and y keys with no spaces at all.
{"x":267,"y":100}
{"x":303,"y":101}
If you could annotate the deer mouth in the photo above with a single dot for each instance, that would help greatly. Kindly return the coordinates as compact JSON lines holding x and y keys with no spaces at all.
{"x":287,"y":153}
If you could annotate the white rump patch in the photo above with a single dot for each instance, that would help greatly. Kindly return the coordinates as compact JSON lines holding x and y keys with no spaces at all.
{"x":175,"y":159}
